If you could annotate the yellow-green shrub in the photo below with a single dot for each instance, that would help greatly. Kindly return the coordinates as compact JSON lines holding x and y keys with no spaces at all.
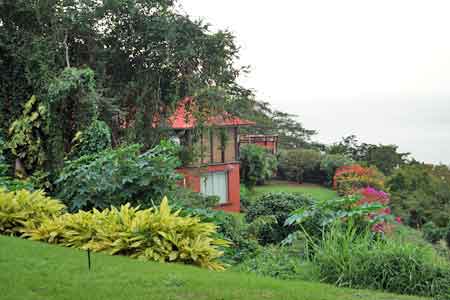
{"x":152,"y":234}
{"x":25,"y":206}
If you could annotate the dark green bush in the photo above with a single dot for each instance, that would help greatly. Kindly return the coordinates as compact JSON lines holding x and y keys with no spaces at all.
{"x":257,"y":165}
{"x":6,"y":181}
{"x":92,"y":140}
{"x":447,"y":236}
{"x":432,"y":233}
{"x":3,"y":163}
{"x":278,"y":205}
{"x":347,"y":258}
{"x":279,"y":262}
{"x":246,"y":198}
{"x":119,"y":176}
{"x":295,"y":164}
{"x":329,"y":163}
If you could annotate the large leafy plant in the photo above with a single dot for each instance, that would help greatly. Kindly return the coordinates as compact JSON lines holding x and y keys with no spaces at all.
{"x":119,"y":176}
{"x":156,"y":234}
{"x":257,"y":165}
{"x":27,"y":137}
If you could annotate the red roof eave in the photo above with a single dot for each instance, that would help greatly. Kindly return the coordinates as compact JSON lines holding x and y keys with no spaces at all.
{"x":183,"y":119}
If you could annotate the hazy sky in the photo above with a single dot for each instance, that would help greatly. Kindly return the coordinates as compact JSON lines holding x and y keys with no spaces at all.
{"x":378,"y":69}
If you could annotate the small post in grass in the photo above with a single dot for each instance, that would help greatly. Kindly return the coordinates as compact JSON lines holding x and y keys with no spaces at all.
{"x":89,"y":258}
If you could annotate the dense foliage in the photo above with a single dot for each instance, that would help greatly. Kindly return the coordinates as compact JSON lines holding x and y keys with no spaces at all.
{"x":19,"y":207}
{"x":119,"y":176}
{"x":277,"y":206}
{"x":419,"y":195}
{"x":234,"y":229}
{"x":295,"y":163}
{"x":152,"y":234}
{"x":329,"y":163}
{"x":432,"y":233}
{"x":385,"y":157}
{"x":348,"y":258}
{"x":349,"y":179}
{"x":72,"y":93}
{"x":257,"y":165}
{"x":92,"y":140}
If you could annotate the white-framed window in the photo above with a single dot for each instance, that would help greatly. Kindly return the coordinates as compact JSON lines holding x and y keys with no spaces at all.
{"x":215,"y":184}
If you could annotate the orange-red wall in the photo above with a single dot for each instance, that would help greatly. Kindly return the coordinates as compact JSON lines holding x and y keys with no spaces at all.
{"x":192,"y":181}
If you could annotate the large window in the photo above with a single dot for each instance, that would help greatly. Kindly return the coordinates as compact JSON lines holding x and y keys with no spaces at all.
{"x":215,"y":184}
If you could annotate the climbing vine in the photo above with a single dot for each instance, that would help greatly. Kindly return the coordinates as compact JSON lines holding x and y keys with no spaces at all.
{"x":27,"y":137}
{"x":72,"y":100}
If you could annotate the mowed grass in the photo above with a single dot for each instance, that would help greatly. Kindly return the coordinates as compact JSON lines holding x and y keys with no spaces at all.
{"x":32,"y":270}
{"x":316,"y":191}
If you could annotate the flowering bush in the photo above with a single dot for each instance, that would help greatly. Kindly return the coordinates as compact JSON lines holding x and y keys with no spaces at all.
{"x":381,"y":219}
{"x":350,"y":179}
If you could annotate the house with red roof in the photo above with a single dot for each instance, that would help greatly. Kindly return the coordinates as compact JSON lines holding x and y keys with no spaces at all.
{"x":214,"y":169}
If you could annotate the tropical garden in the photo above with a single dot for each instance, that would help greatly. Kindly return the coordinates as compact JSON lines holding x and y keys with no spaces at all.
{"x":84,"y":165}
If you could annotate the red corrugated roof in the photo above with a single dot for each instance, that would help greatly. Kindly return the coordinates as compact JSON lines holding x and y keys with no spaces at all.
{"x":182,"y":118}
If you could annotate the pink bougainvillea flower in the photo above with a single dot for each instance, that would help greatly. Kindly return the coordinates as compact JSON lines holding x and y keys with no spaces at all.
{"x":387,"y":211}
{"x":398,"y":220}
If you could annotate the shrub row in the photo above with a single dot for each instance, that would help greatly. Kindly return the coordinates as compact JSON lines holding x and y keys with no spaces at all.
{"x":310,"y":165}
{"x":151,"y":234}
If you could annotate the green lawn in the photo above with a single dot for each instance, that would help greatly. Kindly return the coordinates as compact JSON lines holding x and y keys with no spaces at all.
{"x":32,"y":270}
{"x":316,"y":191}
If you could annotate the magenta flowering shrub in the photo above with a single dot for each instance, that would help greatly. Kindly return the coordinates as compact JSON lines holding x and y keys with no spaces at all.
{"x":382,"y":219}
{"x":371,"y":195}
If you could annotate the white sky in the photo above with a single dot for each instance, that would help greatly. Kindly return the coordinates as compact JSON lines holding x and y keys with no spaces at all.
{"x":378,"y":69}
